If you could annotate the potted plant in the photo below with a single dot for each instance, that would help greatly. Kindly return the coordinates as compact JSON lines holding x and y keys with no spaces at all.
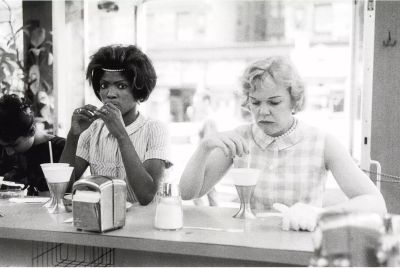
{"x":30,"y":76}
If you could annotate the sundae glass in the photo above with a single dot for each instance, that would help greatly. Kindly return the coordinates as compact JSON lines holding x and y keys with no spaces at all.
{"x":57,"y":176}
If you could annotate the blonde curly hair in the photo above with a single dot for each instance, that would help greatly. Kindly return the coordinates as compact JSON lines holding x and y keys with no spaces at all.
{"x":282,"y":72}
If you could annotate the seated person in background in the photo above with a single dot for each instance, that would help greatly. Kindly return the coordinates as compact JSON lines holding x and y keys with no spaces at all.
{"x":116,"y":140}
{"x":294,"y":157}
{"x":23,"y":147}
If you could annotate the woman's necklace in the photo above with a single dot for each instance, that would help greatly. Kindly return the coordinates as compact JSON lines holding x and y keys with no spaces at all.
{"x":287,"y":133}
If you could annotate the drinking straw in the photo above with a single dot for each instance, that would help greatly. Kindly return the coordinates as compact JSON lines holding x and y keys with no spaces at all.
{"x":249,"y":158}
{"x":51,"y":152}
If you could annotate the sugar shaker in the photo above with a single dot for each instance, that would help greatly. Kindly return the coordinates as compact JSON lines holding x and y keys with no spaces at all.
{"x":169,"y":214}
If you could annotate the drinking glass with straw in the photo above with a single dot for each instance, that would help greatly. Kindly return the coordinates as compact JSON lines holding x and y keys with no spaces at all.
{"x":245,"y":179}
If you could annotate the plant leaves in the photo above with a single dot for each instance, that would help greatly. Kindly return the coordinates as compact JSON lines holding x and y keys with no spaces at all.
{"x":2,"y":74}
{"x":10,"y":67}
{"x":6,"y":84}
{"x":11,"y":56}
{"x":22,"y":28}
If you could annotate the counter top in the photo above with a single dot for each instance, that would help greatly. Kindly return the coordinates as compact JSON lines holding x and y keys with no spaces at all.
{"x":261,"y":239}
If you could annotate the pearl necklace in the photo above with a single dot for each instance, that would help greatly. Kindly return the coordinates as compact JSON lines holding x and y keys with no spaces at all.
{"x":288,"y":132}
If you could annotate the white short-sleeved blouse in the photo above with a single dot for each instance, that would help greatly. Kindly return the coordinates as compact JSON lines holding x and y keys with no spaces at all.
{"x":98,"y":146}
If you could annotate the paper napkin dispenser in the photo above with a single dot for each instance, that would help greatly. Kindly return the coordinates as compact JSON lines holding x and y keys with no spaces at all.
{"x":99,"y":203}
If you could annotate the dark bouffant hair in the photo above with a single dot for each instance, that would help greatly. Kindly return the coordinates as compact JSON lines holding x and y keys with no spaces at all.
{"x":16,"y":118}
{"x":138,"y":69}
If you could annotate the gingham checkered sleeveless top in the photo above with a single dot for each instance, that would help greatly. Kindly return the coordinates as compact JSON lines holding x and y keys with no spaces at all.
{"x":293,"y":166}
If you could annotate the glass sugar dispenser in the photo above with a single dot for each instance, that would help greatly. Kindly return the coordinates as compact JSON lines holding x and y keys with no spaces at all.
{"x":169,"y":213}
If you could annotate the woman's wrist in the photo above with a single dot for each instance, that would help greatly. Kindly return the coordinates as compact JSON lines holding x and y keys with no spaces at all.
{"x":73,"y":135}
{"x":123,"y":138}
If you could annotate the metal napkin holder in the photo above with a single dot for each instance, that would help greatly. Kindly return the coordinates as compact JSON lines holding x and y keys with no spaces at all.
{"x":108,"y":213}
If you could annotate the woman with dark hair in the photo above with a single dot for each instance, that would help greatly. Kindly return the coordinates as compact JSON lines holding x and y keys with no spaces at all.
{"x":23,"y":147}
{"x":116,"y":140}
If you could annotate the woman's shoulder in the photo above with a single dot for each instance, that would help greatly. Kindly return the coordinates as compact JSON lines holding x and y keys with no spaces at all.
{"x":152,"y":123}
{"x":311,"y":131}
{"x":155,"y":126}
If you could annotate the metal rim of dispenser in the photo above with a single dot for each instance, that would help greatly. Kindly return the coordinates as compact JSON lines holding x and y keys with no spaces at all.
{"x":169,"y":189}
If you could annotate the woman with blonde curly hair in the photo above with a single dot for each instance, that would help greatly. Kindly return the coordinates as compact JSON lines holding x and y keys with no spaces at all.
{"x":294,"y":157}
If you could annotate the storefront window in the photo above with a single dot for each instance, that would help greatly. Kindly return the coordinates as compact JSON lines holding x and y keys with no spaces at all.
{"x":200,"y":49}
{"x":203,"y":47}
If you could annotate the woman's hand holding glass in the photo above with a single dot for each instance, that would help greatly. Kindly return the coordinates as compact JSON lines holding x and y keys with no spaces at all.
{"x":230,"y":143}
{"x":298,"y":217}
{"x":82,"y":118}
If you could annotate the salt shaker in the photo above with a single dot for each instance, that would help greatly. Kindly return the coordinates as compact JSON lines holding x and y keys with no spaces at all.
{"x":169,"y":214}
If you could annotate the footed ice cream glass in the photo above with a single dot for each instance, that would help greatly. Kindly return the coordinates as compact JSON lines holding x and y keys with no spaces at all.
{"x":57,"y":176}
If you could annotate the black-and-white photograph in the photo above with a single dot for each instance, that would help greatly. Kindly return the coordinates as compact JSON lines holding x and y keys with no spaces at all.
{"x":211,"y":133}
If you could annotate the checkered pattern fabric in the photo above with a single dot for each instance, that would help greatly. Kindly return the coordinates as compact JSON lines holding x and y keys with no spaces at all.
{"x":293,"y":166}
